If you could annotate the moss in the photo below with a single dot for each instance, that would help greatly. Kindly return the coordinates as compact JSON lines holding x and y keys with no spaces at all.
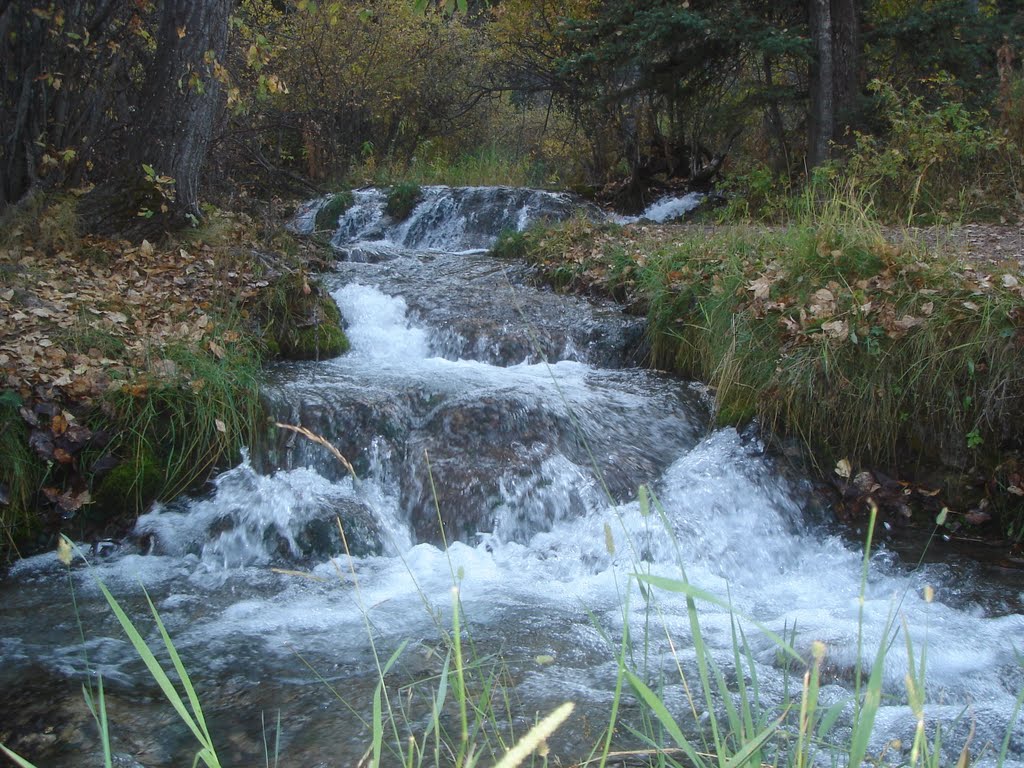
{"x":129,"y":488}
{"x":402,"y":198}
{"x":314,"y":343}
{"x":510,"y":245}
{"x":735,"y":412}
{"x":300,"y":320}
{"x":327,"y":217}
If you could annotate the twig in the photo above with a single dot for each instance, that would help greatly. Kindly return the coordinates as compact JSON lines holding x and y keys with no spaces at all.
{"x":322,"y":441}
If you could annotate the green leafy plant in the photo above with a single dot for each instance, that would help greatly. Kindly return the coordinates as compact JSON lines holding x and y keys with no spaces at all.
{"x":328,"y":215}
{"x":402,"y":198}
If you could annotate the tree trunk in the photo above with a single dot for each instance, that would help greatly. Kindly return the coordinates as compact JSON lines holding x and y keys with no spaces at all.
{"x":834,"y":26}
{"x":172,"y":131}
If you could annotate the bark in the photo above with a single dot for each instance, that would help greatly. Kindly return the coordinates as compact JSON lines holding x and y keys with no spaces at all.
{"x":821,"y":123}
{"x":172,"y":130}
{"x":834,"y":74}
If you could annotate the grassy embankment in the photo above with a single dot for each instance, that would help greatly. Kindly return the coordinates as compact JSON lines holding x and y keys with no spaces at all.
{"x":129,"y":372}
{"x":886,"y":357}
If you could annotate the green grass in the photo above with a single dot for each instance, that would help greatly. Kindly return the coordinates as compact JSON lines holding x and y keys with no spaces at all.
{"x":403,"y":197}
{"x":882,"y":354}
{"x":21,"y":473}
{"x":173,"y":432}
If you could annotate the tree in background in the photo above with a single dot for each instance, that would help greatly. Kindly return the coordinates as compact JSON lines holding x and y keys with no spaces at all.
{"x":156,"y":187}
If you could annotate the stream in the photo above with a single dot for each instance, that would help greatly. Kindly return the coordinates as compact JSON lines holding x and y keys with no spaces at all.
{"x":499,"y":434}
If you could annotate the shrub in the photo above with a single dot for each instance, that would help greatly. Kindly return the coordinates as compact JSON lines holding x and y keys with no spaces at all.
{"x":327,"y":217}
{"x":509,"y":245}
{"x":933,"y":164}
{"x":402,"y":198}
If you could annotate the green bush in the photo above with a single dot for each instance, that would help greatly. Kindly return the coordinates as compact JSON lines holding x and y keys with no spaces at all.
{"x":509,"y":245}
{"x":402,"y":198}
{"x":327,"y":217}
{"x":936,"y":163}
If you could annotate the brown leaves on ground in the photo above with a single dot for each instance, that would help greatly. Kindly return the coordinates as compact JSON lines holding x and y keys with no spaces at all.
{"x":899,"y":298}
{"x":75,"y":324}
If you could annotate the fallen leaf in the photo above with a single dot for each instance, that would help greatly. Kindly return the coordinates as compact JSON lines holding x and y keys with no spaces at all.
{"x":971,"y":306}
{"x":760,"y":287}
{"x":843,"y":468}
{"x":1009,"y":281}
{"x":836,"y":329}
{"x":927,"y":308}
{"x":221,"y":427}
{"x":146,"y":249}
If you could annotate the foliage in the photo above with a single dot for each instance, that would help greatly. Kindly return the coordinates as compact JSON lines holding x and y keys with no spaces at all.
{"x":327,"y":217}
{"x":402,"y":198}
{"x":866,"y":350}
{"x":938,"y":163}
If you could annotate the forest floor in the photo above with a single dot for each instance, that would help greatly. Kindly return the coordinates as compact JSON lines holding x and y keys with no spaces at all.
{"x":129,"y":371}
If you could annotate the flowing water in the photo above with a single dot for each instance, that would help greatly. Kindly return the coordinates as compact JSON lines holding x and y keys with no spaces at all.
{"x":499,"y":433}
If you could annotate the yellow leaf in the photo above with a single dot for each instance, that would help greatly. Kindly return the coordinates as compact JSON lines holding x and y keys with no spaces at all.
{"x":843,"y":468}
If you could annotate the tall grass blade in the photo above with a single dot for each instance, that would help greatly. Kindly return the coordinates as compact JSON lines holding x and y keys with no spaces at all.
{"x":685,"y":588}
{"x":753,"y":747}
{"x":865,"y":721}
{"x":18,"y":759}
{"x":1009,"y":728}
{"x":378,"y":725}
{"x":668,"y":722}
{"x":179,"y":667}
{"x":154,"y":667}
{"x":98,"y":710}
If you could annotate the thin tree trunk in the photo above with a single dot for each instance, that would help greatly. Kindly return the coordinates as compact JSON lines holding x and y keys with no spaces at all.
{"x":821,"y":122}
{"x":180,"y":100}
{"x":834,"y":74}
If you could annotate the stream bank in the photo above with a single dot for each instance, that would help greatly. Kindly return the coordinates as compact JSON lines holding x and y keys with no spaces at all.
{"x":130,"y":372}
{"x":892,"y":358}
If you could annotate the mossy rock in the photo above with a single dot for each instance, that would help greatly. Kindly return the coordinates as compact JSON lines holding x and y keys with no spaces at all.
{"x":315,"y":342}
{"x":509,"y":245}
{"x":301,"y":321}
{"x":129,"y":488}
{"x":402,"y":199}
{"x":327,"y":217}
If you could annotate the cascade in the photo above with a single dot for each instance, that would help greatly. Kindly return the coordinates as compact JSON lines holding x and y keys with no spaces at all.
{"x":500,"y":434}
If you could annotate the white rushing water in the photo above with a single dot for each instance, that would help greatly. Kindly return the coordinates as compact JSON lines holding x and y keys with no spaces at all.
{"x":544,"y":572}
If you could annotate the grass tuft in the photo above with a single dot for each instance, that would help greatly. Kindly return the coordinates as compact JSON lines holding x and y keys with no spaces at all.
{"x":402,"y":199}
{"x":327,"y":217}
{"x":868,"y":348}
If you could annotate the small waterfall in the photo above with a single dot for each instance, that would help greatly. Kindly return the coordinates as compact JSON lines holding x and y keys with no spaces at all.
{"x":500,"y":434}
{"x":446,"y":218}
